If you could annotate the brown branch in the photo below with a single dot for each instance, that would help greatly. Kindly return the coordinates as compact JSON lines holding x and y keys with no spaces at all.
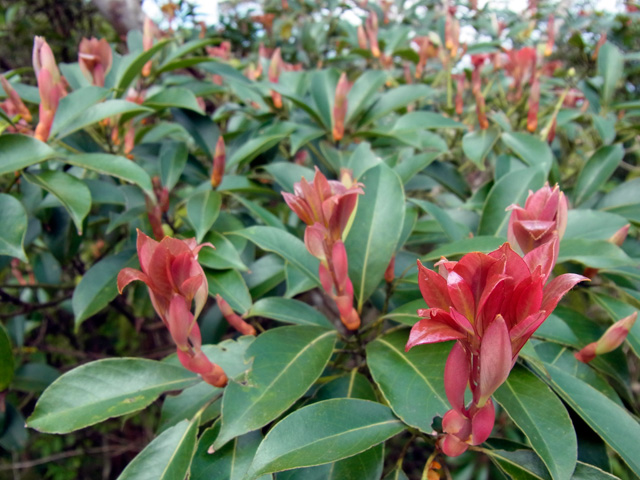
{"x":115,"y":451}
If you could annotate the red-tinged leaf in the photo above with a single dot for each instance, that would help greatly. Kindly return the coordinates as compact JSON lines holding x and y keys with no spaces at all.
{"x":482,"y":423}
{"x":433,"y":330}
{"x":461,"y":295}
{"x":128,"y":275}
{"x":523,"y":330}
{"x":433,"y":288}
{"x":557,"y":288}
{"x":452,"y":446}
{"x":544,"y":256}
{"x":495,"y":358}
{"x":456,"y":376}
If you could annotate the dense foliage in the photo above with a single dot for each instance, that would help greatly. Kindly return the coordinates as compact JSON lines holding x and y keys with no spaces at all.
{"x":411,"y":186}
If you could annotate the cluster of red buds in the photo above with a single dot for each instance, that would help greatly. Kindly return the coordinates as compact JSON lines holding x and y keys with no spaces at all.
{"x":51,"y":85}
{"x":328,"y":208}
{"x":175,"y":280}
{"x":95,"y":58}
{"x":491,"y":304}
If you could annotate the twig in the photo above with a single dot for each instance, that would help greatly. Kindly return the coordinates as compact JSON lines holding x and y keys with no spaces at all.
{"x":71,"y":453}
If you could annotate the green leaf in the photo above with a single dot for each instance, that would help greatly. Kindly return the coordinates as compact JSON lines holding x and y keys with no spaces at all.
{"x":98,"y":112}
{"x":519,"y":464}
{"x":585,"y":471}
{"x":542,"y":418}
{"x":104,"y":389}
{"x":98,"y":285}
{"x":407,"y":313}
{"x":375,"y":231}
{"x":622,"y":200}
{"x":7,"y":363}
{"x":611,"y":69}
{"x":367,"y":465}
{"x":286,"y":174}
{"x":511,"y":188}
{"x":13,"y":219}
{"x":186,"y":48}
{"x":114,"y":165}
{"x":202,"y":210}
{"x":167,"y":457}
{"x":362,"y":92}
{"x":229,"y":354}
{"x":72,"y":192}
{"x":201,"y":128}
{"x":173,"y":158}
{"x":323,"y":91}
{"x":303,"y":135}
{"x":480,"y":243}
{"x":231,"y":462}
{"x":288,"y":310}
{"x":286,"y":362}
{"x":477,"y":145}
{"x":533,"y":151}
{"x":453,"y":230}
{"x":580,"y":224}
{"x":409,"y":167}
{"x":404,"y":377}
{"x":395,"y":99}
{"x":597,"y":171}
{"x":74,"y":105}
{"x":223,"y":257}
{"x":131,"y":66}
{"x":426,"y":120}
{"x":230,"y":285}
{"x":260,"y":213}
{"x":19,"y":151}
{"x":290,"y":248}
{"x":593,"y":253}
{"x":324,"y":432}
{"x":353,"y":385}
{"x":178,"y":97}
{"x":612,"y":422}
{"x":261,"y":142}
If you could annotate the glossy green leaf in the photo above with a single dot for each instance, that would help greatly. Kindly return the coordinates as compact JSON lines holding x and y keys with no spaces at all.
{"x":426,"y":120}
{"x":286,"y":174}
{"x":202,"y":129}
{"x":407,"y":313}
{"x":409,"y":167}
{"x":131,"y":66}
{"x":223,"y":257}
{"x":186,"y":48}
{"x":597,"y":171}
{"x":323,"y":91}
{"x":611,"y":69}
{"x":297,"y":281}
{"x":324,"y":432}
{"x":74,"y":105}
{"x":375,"y":231}
{"x":104,"y":389}
{"x":259,"y":143}
{"x":303,"y":135}
{"x":7,"y":363}
{"x":580,"y":224}
{"x":100,"y":111}
{"x":510,"y":189}
{"x":167,"y":457}
{"x":453,"y":230}
{"x":260,"y":213}
{"x":230,"y":462}
{"x":585,"y":471}
{"x":72,"y":192}
{"x":519,"y":464}
{"x":477,"y":145}
{"x":362,"y":92}
{"x":612,"y":422}
{"x":98,"y":285}
{"x":274,"y":381}
{"x":593,"y":253}
{"x":288,"y":310}
{"x":623,"y":201}
{"x":13,"y":219}
{"x":173,"y":158}
{"x":537,"y":411}
{"x":202,"y":210}
{"x":404,"y":377}
{"x":367,"y":465}
{"x":533,"y":151}
{"x":353,"y":385}
{"x":114,"y":165}
{"x":284,"y":244}
{"x":395,"y":99}
{"x":19,"y":151}
{"x":230,"y":285}
{"x":265,"y":274}
{"x":178,"y":97}
{"x":229,"y":354}
{"x":480,"y":243}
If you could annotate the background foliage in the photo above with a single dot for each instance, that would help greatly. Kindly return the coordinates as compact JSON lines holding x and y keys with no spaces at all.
{"x":435,"y":184}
